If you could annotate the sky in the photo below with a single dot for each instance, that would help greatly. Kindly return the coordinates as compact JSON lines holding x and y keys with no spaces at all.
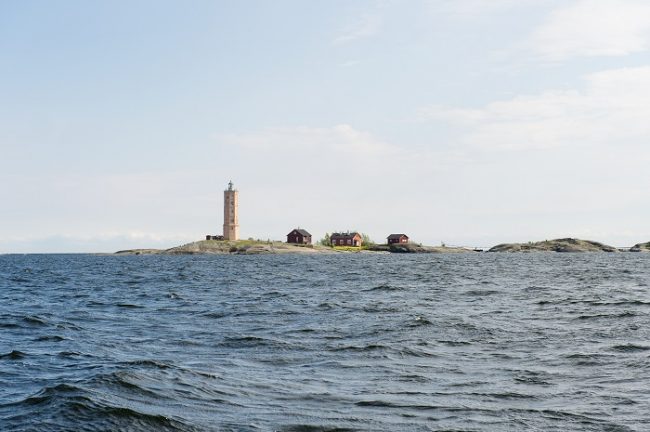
{"x":468,"y":122}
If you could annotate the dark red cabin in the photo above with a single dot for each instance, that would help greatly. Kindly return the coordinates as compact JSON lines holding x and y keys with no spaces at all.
{"x":299,"y":236}
{"x":398,"y":238}
{"x":346,"y":239}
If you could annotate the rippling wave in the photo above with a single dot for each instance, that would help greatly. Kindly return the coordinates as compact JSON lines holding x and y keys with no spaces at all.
{"x":477,"y":342}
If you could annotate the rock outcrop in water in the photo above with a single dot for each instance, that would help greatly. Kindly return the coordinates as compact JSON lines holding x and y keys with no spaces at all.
{"x":416,"y":248}
{"x":641,"y":247}
{"x":140,"y":252}
{"x":558,"y":245}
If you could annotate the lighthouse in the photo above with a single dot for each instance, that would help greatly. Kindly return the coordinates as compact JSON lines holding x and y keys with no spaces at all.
{"x":231,"y":213}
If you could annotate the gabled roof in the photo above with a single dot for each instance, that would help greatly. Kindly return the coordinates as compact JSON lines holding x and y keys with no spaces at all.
{"x":345,"y":235}
{"x":301,"y":231}
{"x":396,"y":236}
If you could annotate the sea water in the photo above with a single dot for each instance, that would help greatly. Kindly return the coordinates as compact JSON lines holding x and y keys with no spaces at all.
{"x":372,"y":342}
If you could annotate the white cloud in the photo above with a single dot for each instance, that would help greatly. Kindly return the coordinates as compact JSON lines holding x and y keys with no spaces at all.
{"x":479,"y":7}
{"x":350,"y":63}
{"x":612,"y":109}
{"x":588,"y":28}
{"x":329,"y":142}
{"x":366,"y":26}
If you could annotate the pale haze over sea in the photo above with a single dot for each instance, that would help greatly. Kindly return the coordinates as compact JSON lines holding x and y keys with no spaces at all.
{"x":467,"y":122}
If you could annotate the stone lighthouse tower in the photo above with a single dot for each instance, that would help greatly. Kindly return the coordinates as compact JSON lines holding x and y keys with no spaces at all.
{"x":231,"y":213}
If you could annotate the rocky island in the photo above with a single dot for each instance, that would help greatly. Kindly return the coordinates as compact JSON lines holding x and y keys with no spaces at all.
{"x":558,"y":245}
{"x":299,"y":241}
{"x":257,"y":247}
{"x":641,"y":247}
{"x":226,"y":247}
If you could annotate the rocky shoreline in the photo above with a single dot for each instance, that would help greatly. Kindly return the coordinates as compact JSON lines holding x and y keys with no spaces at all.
{"x":255,"y":247}
{"x":242,"y":247}
{"x":252,"y":247}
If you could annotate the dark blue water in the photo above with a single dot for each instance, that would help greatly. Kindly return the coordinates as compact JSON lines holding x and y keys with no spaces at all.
{"x":481,"y":342}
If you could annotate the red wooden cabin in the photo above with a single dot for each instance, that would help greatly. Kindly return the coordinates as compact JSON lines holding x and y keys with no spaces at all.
{"x":299,"y":236}
{"x":397,"y":238}
{"x":346,"y":239}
